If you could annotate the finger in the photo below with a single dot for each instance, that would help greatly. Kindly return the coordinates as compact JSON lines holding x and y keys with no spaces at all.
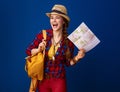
{"x":44,"y":43}
{"x":43,"y":40}
{"x":82,"y":49}
{"x":40,"y":48}
{"x":41,"y":44}
{"x":81,"y":55}
{"x":80,"y":52}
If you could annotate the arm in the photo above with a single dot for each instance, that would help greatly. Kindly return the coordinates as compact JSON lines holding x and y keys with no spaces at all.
{"x":40,"y":48}
{"x":79,"y":56}
{"x":71,"y":59}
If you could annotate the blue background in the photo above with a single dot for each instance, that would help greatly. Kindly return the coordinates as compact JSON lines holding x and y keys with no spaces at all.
{"x":21,"y":20}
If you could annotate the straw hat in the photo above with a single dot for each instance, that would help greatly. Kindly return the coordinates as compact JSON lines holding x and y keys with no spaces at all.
{"x":59,"y":10}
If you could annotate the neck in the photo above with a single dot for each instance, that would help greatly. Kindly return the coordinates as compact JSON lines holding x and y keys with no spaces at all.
{"x":57,"y":33}
{"x":57,"y":36}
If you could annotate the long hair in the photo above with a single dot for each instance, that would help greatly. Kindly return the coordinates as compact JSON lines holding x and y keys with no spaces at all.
{"x":65,"y":26}
{"x":65,"y":34}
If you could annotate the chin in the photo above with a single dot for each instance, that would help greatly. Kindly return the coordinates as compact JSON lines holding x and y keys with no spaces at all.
{"x":55,"y":29}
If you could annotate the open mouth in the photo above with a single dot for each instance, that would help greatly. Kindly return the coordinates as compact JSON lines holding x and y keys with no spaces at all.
{"x":54,"y":25}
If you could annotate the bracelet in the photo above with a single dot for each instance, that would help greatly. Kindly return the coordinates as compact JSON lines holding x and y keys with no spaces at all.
{"x":75,"y":60}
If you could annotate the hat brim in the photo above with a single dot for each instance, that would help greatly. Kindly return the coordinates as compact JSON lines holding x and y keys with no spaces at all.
{"x":64,"y":16}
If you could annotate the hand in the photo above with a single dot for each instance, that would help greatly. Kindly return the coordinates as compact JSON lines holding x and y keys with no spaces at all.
{"x":42,"y":45}
{"x":80,"y":54}
{"x":34,"y":51}
{"x":40,"y":48}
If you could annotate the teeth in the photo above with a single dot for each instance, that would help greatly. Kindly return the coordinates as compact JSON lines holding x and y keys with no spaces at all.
{"x":54,"y":24}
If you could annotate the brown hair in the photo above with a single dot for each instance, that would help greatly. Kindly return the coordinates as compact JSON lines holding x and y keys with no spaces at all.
{"x":65,"y":34}
{"x":65,"y":26}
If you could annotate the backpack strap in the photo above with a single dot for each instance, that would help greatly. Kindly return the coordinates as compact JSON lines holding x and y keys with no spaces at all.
{"x":44,"y":34}
{"x":44,"y":37}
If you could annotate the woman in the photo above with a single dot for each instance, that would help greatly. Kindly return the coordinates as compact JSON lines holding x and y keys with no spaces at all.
{"x":59,"y":51}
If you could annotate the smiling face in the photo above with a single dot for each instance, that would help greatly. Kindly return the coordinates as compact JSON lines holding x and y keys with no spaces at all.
{"x":56,"y":22}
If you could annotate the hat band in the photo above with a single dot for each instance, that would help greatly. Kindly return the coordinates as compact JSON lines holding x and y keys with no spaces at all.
{"x":58,"y":12}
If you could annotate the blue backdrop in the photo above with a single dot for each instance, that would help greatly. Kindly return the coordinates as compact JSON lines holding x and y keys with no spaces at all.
{"x":21,"y":20}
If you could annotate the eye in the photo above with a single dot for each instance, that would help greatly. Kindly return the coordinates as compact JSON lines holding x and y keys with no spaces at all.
{"x":51,"y":17}
{"x":58,"y":17}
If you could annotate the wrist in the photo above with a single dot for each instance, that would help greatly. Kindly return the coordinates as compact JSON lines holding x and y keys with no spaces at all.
{"x":75,"y":59}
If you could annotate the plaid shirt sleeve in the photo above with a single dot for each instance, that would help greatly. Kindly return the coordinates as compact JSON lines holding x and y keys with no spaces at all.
{"x":35,"y":43}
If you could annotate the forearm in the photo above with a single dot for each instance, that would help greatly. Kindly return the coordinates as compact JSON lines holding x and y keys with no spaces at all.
{"x":34,"y":51}
{"x":40,"y":48}
{"x":77,"y":58}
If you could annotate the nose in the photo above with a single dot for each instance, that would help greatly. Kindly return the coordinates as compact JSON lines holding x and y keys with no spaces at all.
{"x":54,"y":19}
